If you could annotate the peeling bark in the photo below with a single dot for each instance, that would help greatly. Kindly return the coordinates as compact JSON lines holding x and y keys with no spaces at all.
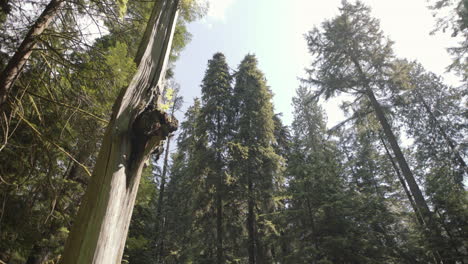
{"x":137,"y":129}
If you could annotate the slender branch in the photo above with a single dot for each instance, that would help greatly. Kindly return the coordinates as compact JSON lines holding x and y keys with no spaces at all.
{"x":54,"y":144}
{"x":71,"y":107}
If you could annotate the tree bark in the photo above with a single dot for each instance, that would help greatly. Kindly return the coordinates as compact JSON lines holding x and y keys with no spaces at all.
{"x":434,"y":232}
{"x":402,"y":181}
{"x":136,"y":129}
{"x":431,"y":227}
{"x":413,"y":185}
{"x":16,"y":64}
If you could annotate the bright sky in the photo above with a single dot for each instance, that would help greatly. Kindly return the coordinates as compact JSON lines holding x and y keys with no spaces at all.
{"x":274,"y":31}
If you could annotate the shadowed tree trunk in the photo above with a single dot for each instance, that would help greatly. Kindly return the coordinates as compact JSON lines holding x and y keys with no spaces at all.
{"x":159,"y":211}
{"x":420,"y":203}
{"x":412,"y":184}
{"x":251,"y":223}
{"x":418,"y":197}
{"x":16,"y":63}
{"x":219,"y":220}
{"x":219,"y":196}
{"x":402,"y":181}
{"x":160,"y":214}
{"x":136,"y":129}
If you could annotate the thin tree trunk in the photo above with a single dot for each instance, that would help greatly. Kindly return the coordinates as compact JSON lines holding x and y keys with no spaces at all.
{"x":433,"y":230}
{"x":413,"y":185}
{"x":219,"y":223}
{"x":417,"y":213}
{"x":402,"y":181}
{"x":421,"y":205}
{"x":136,"y":129}
{"x":159,"y":210}
{"x":15,"y":65}
{"x":219,"y":198}
{"x":251,"y":223}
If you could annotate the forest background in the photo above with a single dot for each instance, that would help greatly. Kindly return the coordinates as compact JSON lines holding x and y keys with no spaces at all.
{"x":384,"y":182}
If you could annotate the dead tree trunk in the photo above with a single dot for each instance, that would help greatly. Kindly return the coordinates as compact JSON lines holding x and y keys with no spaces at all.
{"x":16,"y":63}
{"x":136,"y":129}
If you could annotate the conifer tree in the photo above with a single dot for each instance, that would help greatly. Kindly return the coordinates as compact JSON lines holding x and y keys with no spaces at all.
{"x":189,"y":233}
{"x":352,"y":56}
{"x":256,"y":161}
{"x":216,"y":115}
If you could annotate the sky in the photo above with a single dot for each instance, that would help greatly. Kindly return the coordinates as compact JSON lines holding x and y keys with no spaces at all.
{"x":274,"y":31}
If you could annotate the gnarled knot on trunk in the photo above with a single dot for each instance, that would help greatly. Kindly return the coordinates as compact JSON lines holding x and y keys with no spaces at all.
{"x":154,"y":123}
{"x":150,"y":128}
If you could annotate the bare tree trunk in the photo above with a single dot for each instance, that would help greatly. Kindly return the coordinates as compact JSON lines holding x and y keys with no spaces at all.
{"x":136,"y":129}
{"x":419,"y":200}
{"x":402,"y":181}
{"x":16,"y":63}
{"x":413,"y":185}
{"x":421,"y":205}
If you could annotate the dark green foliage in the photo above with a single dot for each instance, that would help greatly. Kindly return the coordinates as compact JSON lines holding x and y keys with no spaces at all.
{"x":457,"y":22}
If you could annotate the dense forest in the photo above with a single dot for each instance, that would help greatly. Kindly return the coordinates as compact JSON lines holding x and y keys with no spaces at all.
{"x":94,"y":167}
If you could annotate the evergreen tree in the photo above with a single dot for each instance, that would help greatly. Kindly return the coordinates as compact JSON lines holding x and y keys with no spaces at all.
{"x":189,"y":228}
{"x":352,"y":56}
{"x":432,"y":115}
{"x":256,"y":160}
{"x":216,"y":115}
